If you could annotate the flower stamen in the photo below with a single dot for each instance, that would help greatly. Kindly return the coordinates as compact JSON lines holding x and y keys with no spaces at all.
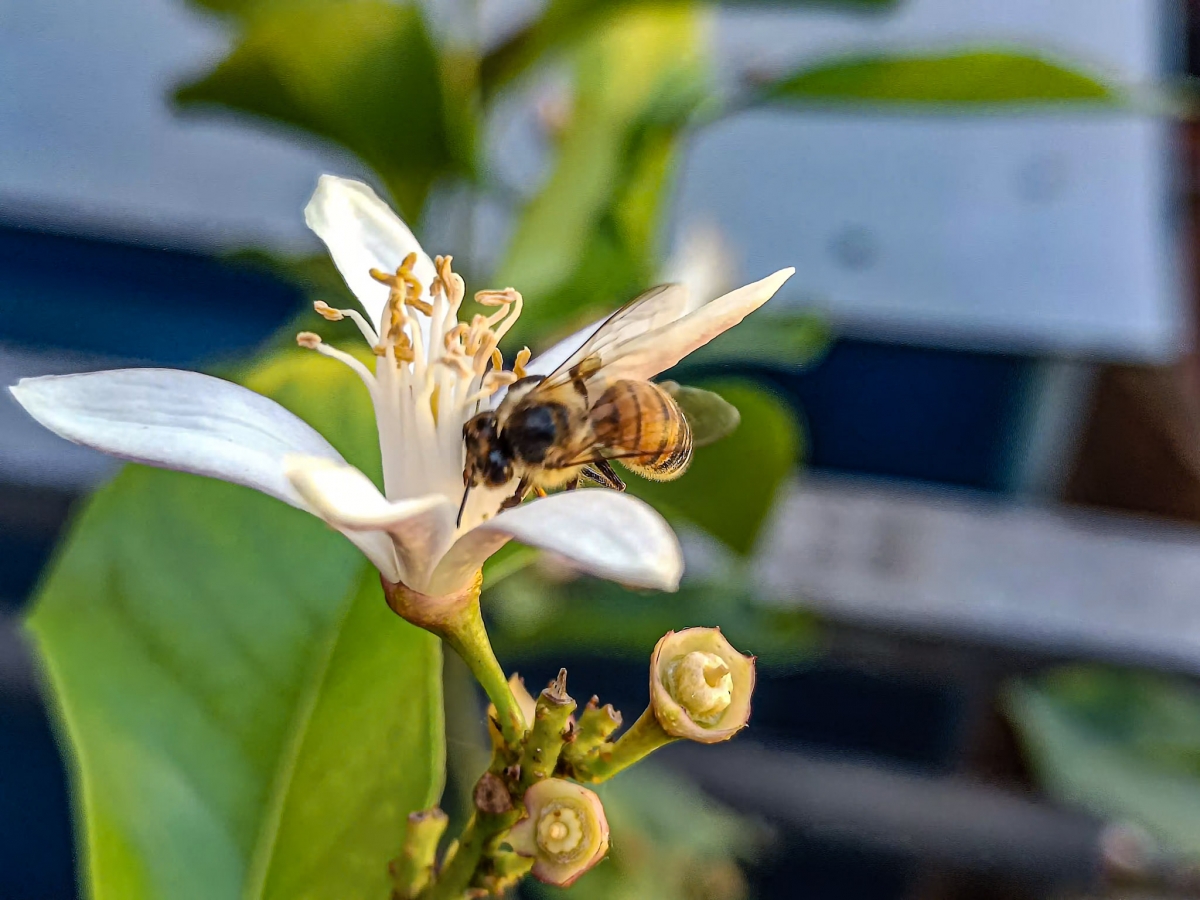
{"x":311,"y":341}
{"x":522,"y":360}
{"x":327,"y":312}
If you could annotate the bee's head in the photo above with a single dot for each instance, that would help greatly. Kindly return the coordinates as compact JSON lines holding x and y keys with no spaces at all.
{"x":488,"y":458}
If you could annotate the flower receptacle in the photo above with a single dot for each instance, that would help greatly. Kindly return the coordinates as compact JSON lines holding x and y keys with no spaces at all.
{"x":565,"y":831}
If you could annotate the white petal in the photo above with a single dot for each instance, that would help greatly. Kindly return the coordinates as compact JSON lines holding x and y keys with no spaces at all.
{"x":345,"y":497}
{"x":656,"y":351}
{"x":378,"y":548}
{"x":177,"y":420}
{"x":601,"y":532}
{"x":418,"y":530}
{"x":362,"y":233}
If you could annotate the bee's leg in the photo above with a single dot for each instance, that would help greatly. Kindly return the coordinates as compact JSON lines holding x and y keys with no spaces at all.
{"x":518,"y":495}
{"x":602,"y":472}
{"x":540,"y":491}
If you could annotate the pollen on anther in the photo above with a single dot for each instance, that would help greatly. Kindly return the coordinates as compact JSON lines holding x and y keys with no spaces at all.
{"x":496,"y":297}
{"x":522,"y":360}
{"x":325,"y":311}
{"x":308,"y":340}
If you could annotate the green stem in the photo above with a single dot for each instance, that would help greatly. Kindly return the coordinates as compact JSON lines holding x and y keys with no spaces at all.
{"x":412,"y":870}
{"x":545,"y":740}
{"x":466,"y":634}
{"x":459,"y":870}
{"x":644,"y":737}
{"x":457,"y":620}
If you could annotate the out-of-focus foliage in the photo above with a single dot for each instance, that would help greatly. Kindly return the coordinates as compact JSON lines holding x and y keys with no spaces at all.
{"x":590,"y":235}
{"x":361,"y":73}
{"x":972,"y":78}
{"x":238,"y":694}
{"x":536,"y":615}
{"x":768,"y":338}
{"x":673,"y":844}
{"x":1124,"y":744}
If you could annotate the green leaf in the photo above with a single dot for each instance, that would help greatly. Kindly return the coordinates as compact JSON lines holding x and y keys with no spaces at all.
{"x":534,"y":617}
{"x":587,"y":242}
{"x":361,"y":73}
{"x":1125,"y":745}
{"x":768,"y":338}
{"x":565,"y":23}
{"x":370,"y":753}
{"x":730,"y":487}
{"x":241,"y":710}
{"x":964,"y":77}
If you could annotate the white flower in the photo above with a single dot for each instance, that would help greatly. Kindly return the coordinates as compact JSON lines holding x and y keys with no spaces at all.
{"x":431,"y":374}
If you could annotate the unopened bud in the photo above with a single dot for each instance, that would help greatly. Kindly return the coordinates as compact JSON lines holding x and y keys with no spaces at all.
{"x":565,"y":832}
{"x":700,"y":686}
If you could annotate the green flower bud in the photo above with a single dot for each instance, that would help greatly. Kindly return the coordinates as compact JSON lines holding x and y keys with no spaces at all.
{"x":700,"y":686}
{"x":565,"y":831}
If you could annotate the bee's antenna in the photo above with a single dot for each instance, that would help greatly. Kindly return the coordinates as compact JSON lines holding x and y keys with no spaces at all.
{"x":462,"y":506}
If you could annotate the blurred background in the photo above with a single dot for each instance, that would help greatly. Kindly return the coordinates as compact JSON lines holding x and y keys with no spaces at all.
{"x":959,"y":522}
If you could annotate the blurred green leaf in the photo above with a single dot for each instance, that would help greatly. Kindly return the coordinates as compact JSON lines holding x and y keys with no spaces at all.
{"x":564,"y":23}
{"x":361,"y":73}
{"x":586,"y":243}
{"x":226,"y":7}
{"x":964,"y":77}
{"x":768,"y":338}
{"x":730,"y":487}
{"x":1125,"y":745}
{"x":534,"y":616}
{"x":246,"y":718}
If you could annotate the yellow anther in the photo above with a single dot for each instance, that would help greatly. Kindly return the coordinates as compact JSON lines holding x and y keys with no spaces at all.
{"x":456,"y":334}
{"x":496,"y":298}
{"x":522,"y":360}
{"x":497,"y":360}
{"x":484,"y":354}
{"x":308,"y":340}
{"x":325,"y":311}
{"x":423,"y":305}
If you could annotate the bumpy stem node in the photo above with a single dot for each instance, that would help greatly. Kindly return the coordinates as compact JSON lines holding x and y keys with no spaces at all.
{"x":643,"y":737}
{"x":551,"y":725}
{"x":596,"y":725}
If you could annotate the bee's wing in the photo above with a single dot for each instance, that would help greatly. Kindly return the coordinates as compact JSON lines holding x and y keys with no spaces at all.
{"x":710,"y":415}
{"x":651,"y":309}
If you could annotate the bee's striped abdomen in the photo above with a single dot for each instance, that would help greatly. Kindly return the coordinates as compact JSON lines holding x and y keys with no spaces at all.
{"x":638,"y":424}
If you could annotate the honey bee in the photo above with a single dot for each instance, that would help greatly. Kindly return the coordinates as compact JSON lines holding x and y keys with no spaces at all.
{"x":552,"y":431}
